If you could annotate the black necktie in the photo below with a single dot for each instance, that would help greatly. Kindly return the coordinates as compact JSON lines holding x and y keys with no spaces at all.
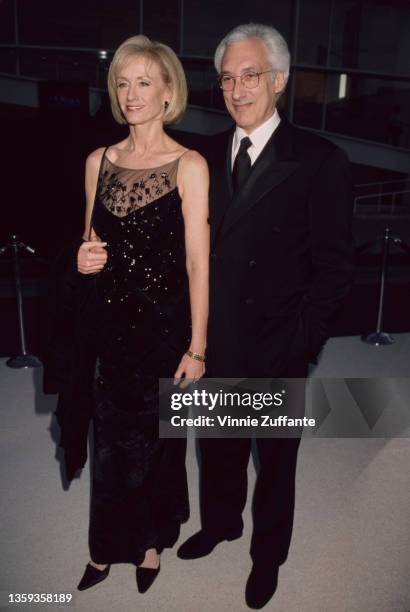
{"x":242,"y":164}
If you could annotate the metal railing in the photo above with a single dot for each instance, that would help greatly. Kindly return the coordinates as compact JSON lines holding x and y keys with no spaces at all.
{"x":391,"y":203}
{"x":405,"y":181}
{"x":381,"y":187}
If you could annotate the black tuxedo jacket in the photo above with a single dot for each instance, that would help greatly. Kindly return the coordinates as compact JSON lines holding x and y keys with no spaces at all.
{"x":281,"y":254}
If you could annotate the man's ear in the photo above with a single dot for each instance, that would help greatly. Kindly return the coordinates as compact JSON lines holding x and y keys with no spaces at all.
{"x":279,"y":82}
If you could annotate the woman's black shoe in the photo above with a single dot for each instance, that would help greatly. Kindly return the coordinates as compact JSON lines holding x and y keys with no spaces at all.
{"x":145,"y":577}
{"x":92,"y":576}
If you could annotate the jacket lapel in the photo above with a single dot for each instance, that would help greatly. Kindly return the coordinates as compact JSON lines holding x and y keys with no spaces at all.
{"x":221,"y":182}
{"x":273,"y":166}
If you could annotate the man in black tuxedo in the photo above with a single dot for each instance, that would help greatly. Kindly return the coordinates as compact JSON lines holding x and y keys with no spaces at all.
{"x":281,"y":260}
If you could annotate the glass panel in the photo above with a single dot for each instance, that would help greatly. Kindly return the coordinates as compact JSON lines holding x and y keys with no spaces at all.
{"x":371,"y":35}
{"x":80,"y":67}
{"x":310,"y":90}
{"x":95,"y":23}
{"x":203,"y":87}
{"x":206,"y":23}
{"x":7,"y":22}
{"x":345,"y":33}
{"x":373,"y":109}
{"x":65,"y":65}
{"x":161,"y":22}
{"x":313,"y":32}
{"x":8,"y":60}
{"x":38,"y":63}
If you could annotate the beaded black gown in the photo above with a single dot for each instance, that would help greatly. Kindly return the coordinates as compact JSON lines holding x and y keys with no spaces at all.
{"x":139,"y":493}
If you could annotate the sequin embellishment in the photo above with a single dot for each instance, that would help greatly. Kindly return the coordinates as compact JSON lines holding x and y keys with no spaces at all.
{"x":145,"y":240}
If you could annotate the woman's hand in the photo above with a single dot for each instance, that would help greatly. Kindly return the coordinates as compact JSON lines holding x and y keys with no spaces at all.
{"x":192,"y":368}
{"x":91,"y":257}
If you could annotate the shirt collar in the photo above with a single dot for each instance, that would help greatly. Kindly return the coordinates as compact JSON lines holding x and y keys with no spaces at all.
{"x":259,"y":137}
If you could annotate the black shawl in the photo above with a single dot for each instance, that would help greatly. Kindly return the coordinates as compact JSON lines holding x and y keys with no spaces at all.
{"x":71,"y":353}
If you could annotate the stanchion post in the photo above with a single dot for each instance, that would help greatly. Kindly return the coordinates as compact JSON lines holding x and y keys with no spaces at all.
{"x":24,"y":359}
{"x":379,"y":337}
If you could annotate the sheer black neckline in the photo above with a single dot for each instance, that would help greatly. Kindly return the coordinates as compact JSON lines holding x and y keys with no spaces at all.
{"x":145,"y":169}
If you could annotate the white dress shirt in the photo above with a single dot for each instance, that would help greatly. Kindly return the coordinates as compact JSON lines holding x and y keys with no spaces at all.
{"x":259,"y":138}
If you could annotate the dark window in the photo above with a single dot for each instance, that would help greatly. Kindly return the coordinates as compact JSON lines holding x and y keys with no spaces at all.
{"x":161,"y":21}
{"x":371,"y":35}
{"x":373,"y":109}
{"x":207,"y":22}
{"x":313,"y":31}
{"x":310,"y":88}
{"x":78,"y":23}
{"x":7,"y":34}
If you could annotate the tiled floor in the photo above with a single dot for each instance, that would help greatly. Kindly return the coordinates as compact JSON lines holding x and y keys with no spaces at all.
{"x":351,"y":543}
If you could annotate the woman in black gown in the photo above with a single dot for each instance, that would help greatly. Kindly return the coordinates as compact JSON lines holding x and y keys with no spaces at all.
{"x":147,"y":238}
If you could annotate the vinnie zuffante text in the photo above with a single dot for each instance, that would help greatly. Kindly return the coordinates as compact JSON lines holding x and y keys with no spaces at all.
{"x":213,"y":401}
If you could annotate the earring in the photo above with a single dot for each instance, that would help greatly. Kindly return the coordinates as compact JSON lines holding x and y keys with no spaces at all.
{"x":166,"y":104}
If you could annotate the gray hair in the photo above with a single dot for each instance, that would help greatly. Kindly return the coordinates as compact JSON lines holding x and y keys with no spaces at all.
{"x":279,"y":56}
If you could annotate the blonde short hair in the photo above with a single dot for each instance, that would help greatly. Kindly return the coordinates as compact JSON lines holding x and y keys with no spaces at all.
{"x":171,"y":70}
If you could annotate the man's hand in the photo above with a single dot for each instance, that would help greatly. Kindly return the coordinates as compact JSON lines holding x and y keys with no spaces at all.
{"x":91,"y":257}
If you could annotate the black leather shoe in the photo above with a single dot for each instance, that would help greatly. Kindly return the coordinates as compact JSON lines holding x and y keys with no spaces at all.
{"x":202,"y":543}
{"x":261,"y":586}
{"x":145,"y":577}
{"x":92,"y":576}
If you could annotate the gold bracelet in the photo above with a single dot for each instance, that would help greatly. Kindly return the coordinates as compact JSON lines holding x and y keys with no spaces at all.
{"x":196,"y":356}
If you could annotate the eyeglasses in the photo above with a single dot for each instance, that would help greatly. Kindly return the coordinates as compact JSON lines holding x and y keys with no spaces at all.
{"x":250,"y":80}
